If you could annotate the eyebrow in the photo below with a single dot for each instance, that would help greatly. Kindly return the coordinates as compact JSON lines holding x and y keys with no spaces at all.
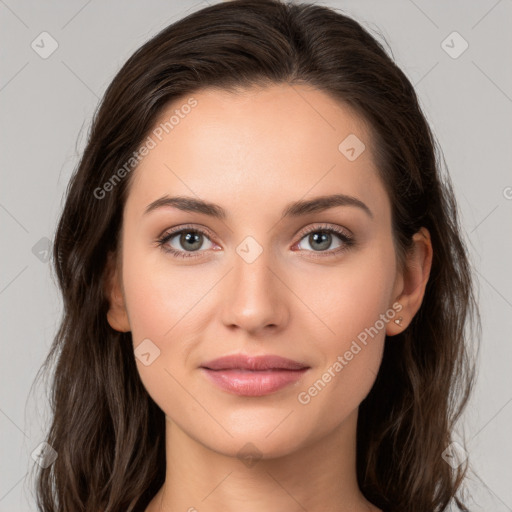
{"x":295,"y":209}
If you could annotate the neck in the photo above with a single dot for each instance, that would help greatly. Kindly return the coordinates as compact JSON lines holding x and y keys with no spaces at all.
{"x":318,"y":477}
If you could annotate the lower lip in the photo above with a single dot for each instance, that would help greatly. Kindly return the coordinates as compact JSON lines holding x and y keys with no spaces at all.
{"x":253,"y":383}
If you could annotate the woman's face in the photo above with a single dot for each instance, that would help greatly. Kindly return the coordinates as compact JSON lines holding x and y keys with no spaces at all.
{"x":265,"y":279}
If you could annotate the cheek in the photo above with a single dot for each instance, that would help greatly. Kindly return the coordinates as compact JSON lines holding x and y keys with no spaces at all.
{"x":349,"y":356}
{"x":163,"y":304}
{"x":335,"y":391}
{"x":158,"y":306}
{"x":352,"y":331}
{"x":160,"y":297}
{"x":352,"y":298}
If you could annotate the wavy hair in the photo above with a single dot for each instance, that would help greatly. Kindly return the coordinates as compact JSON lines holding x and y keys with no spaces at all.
{"x":108,"y":432}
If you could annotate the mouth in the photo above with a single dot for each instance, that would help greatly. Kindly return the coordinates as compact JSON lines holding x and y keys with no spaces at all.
{"x":254,"y":363}
{"x":253,"y":382}
{"x":253,"y":376}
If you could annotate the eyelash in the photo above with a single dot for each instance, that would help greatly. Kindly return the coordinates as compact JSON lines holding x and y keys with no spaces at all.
{"x":347,"y":240}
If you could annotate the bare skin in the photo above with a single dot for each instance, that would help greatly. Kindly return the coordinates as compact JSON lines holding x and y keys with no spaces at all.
{"x":253,"y":153}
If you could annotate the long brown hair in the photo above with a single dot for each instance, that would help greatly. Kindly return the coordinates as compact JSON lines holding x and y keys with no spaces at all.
{"x":107,"y":431}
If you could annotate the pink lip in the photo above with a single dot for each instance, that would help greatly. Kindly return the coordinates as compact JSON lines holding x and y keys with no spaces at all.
{"x":253,"y":376}
{"x":245,"y":362}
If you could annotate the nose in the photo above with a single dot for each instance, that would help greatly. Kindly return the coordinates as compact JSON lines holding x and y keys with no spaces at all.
{"x":255,"y":295}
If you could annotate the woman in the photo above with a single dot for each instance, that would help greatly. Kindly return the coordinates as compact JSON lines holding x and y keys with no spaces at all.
{"x":265,"y":286}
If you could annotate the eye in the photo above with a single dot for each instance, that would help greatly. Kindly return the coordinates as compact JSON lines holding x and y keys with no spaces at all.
{"x":190,"y":239}
{"x":320,"y":238}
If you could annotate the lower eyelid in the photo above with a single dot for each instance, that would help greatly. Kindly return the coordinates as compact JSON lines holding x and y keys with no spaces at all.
{"x":166,"y":238}
{"x":346,"y":241}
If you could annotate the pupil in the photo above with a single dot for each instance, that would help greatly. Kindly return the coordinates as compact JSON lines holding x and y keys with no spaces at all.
{"x":324,"y":239}
{"x":187,"y":238}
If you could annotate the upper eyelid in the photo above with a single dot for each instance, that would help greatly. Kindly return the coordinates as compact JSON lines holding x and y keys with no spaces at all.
{"x":179,"y":229}
{"x":169,"y":233}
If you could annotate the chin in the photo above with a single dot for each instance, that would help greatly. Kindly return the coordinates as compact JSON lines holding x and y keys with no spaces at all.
{"x":249,"y":449}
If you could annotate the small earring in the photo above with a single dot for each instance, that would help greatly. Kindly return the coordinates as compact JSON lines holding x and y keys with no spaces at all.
{"x":398,"y":321}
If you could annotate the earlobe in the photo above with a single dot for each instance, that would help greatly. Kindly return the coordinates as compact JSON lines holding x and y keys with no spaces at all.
{"x":117,"y":315}
{"x":413,"y":281}
{"x":398,"y":321}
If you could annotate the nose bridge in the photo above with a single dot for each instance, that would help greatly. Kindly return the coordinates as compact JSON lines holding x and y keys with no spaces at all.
{"x":254,"y":298}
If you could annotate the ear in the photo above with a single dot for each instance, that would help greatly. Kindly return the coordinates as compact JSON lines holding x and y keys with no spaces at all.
{"x":117,"y":315}
{"x":411,"y":282}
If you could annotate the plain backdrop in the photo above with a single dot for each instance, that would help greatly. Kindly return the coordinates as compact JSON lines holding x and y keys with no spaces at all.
{"x":47,"y":102}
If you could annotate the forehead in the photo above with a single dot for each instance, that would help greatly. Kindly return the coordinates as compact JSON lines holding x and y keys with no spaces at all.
{"x":257,"y":146}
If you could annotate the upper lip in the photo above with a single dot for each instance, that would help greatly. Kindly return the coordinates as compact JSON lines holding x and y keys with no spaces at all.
{"x":246,"y":362}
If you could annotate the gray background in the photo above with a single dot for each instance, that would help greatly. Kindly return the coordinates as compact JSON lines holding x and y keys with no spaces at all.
{"x":46,"y":108}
